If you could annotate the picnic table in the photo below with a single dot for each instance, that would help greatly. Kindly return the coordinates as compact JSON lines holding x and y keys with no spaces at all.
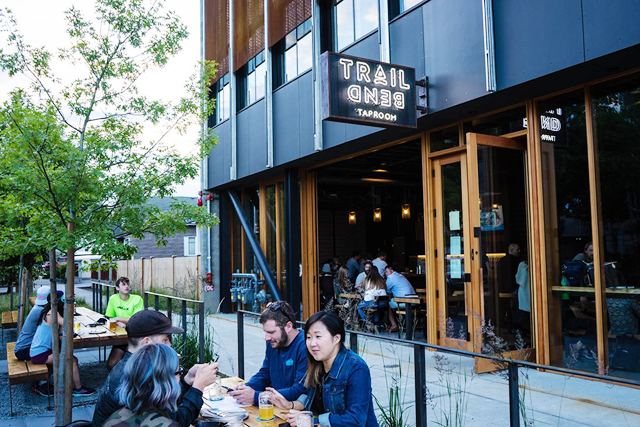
{"x":98,"y":336}
{"x":252,"y":420}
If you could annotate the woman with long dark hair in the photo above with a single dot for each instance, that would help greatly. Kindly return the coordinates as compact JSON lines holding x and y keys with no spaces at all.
{"x":149,"y":390}
{"x":374,"y":286}
{"x":338,"y":381}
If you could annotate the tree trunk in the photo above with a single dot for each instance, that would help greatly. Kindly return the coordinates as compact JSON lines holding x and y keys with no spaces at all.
{"x":58,"y":386}
{"x":67,"y":336}
{"x":22,"y":293}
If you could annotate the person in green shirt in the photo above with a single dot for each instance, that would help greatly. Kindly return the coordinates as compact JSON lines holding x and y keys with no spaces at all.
{"x":122,"y":305}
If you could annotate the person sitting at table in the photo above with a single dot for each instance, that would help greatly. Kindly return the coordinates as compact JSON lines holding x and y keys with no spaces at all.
{"x":374,"y":286}
{"x":149,"y":390}
{"x":42,"y":344}
{"x":586,"y":255}
{"x":342,"y":284}
{"x":381,"y":262}
{"x":122,"y":305}
{"x":152,"y":327}
{"x":353,"y":264}
{"x":338,"y":381}
{"x":23,"y":343}
{"x":285,"y":360}
{"x":399,"y":286}
{"x":365,"y":272}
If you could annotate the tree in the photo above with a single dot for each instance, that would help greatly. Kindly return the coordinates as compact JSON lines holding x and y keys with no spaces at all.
{"x":75,"y":164}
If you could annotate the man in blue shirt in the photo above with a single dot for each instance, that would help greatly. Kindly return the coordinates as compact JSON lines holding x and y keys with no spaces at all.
{"x":285,"y":361}
{"x":353,"y":264}
{"x":399,"y":286}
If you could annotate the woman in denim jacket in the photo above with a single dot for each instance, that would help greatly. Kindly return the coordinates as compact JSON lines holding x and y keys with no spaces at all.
{"x":338,"y":381}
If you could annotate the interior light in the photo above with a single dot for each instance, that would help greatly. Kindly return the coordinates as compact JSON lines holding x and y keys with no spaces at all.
{"x":377,"y":215}
{"x":406,"y":211}
{"x":352,"y":218}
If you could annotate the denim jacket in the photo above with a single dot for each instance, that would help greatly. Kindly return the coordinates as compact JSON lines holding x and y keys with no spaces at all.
{"x":346,"y":393}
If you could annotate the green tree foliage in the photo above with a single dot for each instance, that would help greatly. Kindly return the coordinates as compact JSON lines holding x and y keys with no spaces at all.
{"x":73,"y":147}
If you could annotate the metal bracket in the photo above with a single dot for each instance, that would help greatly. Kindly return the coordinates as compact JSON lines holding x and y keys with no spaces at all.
{"x":422,"y":101}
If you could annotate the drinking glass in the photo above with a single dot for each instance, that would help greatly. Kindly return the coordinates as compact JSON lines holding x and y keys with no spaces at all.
{"x":76,"y":327}
{"x":112,"y":326}
{"x":305,"y":419}
{"x":265,"y":402}
{"x":215,"y":389}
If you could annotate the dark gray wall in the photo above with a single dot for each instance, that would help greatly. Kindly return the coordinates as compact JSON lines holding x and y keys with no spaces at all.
{"x":442,"y":39}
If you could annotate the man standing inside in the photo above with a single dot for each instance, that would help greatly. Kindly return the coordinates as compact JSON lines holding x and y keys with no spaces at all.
{"x":285,"y":361}
{"x":122,"y":305}
{"x":381,"y":262}
{"x":153,"y":327}
{"x":353,"y":264}
{"x":399,"y":286}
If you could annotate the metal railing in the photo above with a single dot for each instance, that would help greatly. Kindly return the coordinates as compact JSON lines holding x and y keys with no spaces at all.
{"x":420,"y":368}
{"x":98,"y":286}
{"x":183,"y":315}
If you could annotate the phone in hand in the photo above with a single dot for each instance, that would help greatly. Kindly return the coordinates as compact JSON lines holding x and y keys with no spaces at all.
{"x":284,"y":425}
{"x":215,"y":358}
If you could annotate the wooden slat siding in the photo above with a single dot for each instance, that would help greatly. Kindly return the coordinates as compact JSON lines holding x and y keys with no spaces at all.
{"x":597,"y":234}
{"x":248,"y":31}
{"x":217,"y":34}
{"x":285,"y":16}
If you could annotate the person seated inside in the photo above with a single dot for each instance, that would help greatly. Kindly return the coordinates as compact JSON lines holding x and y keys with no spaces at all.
{"x":122,"y":305}
{"x":353,"y":264}
{"x":373,"y":286}
{"x":399,"y":286}
{"x":150,"y":388}
{"x":337,"y":381}
{"x":285,"y":360}
{"x":42,"y":344}
{"x":586,"y":255}
{"x":152,"y":327}
{"x":342,"y":284}
{"x":359,"y":283}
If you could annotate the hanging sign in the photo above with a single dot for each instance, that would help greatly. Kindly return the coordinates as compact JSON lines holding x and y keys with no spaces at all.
{"x":362,"y":91}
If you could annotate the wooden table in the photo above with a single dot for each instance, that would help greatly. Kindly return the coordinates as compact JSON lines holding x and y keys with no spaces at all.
{"x":409,"y":302}
{"x":630,"y":293}
{"x":253,"y":411}
{"x":105,"y":338}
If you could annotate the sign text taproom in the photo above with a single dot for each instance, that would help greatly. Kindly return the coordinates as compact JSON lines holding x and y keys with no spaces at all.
{"x":362,"y":91}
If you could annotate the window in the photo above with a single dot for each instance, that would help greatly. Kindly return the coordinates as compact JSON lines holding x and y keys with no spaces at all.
{"x":292,"y":54}
{"x":251,"y":81}
{"x":354,"y":19}
{"x":396,"y":7}
{"x":221,"y":91}
{"x":190,"y":246}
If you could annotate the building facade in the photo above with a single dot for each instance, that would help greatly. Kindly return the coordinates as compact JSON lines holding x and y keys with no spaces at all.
{"x":512,"y":202}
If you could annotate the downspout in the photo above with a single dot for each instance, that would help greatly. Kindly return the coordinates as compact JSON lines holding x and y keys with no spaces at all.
{"x":317,"y":90}
{"x":204,"y":162}
{"x":383,"y":31}
{"x":489,"y":46}
{"x":268,"y":97}
{"x":233,"y":173}
{"x":255,"y":245}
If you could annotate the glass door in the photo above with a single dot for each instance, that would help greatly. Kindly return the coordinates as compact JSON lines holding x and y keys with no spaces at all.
{"x":452,"y":248}
{"x":501,"y":303}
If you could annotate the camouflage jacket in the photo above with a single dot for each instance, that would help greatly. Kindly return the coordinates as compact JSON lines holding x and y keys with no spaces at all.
{"x":125,"y":418}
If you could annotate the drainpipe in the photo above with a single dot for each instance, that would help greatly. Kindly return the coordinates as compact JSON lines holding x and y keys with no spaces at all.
{"x":317,"y":94}
{"x":489,"y":46}
{"x":233,"y":173}
{"x":255,"y":245}
{"x":383,"y":31}
{"x":268,"y":95}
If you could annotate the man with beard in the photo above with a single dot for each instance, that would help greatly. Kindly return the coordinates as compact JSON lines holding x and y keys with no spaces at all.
{"x":285,"y":361}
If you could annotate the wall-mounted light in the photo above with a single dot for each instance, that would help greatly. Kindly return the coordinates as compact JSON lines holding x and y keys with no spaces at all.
{"x":406,"y":211}
{"x":377,"y":215}
{"x":352,"y":218}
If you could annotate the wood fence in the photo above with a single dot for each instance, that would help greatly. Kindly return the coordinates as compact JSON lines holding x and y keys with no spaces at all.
{"x":178,"y":276}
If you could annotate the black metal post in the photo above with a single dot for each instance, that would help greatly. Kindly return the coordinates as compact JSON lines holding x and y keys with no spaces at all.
{"x":293,"y":239}
{"x":225,"y":256}
{"x":240,"y":344}
{"x":420,"y":366}
{"x":201,"y":328}
{"x":170,"y":308}
{"x":409,"y":320}
{"x":184,"y":321}
{"x":353,"y":342}
{"x":146,"y":300}
{"x":255,"y":245}
{"x":156,"y":302}
{"x":514,"y":396}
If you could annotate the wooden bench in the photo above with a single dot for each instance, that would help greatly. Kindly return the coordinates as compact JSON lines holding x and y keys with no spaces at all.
{"x":21,"y":372}
{"x":9,"y":321}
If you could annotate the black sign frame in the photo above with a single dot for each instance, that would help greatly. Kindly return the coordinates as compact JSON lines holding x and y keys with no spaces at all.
{"x":338,"y":93}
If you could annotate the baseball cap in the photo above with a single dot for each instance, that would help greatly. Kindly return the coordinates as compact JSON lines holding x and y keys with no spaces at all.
{"x":150,"y":322}
{"x":41,"y":295}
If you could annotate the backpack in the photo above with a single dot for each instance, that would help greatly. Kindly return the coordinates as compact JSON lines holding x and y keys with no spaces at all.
{"x":575,"y":273}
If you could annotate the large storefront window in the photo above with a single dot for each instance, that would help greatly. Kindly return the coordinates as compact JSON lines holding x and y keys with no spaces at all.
{"x":354,"y":19}
{"x":565,"y":168}
{"x":616,"y":111}
{"x":251,"y":204}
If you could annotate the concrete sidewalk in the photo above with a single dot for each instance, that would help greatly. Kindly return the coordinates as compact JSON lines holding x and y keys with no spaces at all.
{"x":550,"y":399}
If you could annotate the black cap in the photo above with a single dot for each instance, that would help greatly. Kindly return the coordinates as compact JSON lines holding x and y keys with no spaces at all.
{"x":150,"y":322}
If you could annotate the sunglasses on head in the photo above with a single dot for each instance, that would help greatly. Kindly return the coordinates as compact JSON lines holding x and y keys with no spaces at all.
{"x":181,"y":371}
{"x":276,"y":306}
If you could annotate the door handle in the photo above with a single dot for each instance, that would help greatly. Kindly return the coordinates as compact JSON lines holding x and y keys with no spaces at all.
{"x":472,"y":257}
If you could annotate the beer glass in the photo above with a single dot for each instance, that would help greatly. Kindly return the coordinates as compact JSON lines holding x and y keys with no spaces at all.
{"x":112,"y":326}
{"x":305,"y":419}
{"x":265,"y":403}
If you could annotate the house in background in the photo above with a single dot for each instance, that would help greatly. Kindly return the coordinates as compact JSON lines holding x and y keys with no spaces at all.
{"x":182,"y":244}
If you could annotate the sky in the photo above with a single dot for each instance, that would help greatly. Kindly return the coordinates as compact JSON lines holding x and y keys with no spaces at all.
{"x":42,"y":23}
